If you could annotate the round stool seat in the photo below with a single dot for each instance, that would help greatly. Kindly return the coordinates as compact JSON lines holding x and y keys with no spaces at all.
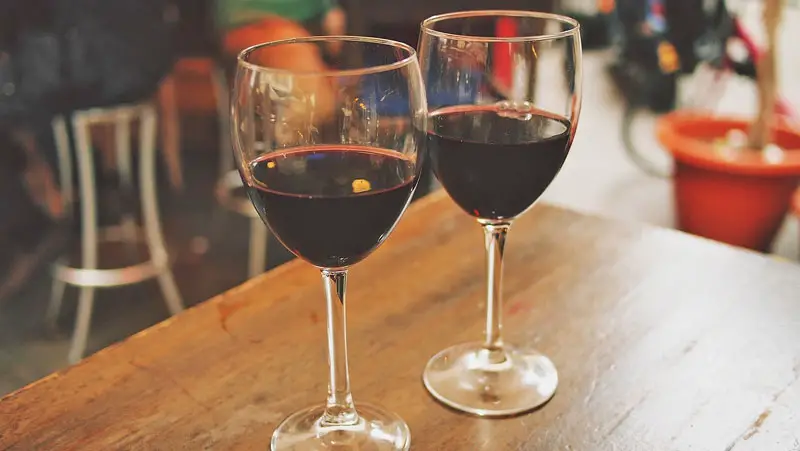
{"x":230,"y":193}
{"x":111,"y":277}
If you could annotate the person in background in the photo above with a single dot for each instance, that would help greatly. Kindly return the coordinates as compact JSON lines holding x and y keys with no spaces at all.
{"x":56,"y":57}
{"x":244,"y":23}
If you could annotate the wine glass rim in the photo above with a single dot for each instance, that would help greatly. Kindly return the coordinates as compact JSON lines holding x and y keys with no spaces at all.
{"x":573,"y":30}
{"x":374,"y":69}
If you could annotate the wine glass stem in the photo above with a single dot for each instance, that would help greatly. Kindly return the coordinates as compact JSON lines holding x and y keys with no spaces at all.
{"x":495,"y":243}
{"x":339,"y":409}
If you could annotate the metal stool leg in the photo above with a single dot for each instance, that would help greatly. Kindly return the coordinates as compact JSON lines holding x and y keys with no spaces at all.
{"x":220,"y":82}
{"x":56,"y":300}
{"x":257,"y":259}
{"x":65,"y":180}
{"x":170,"y":127}
{"x":88,"y":234}
{"x":152,"y":225}
{"x":64,"y":160}
{"x":258,"y":248}
{"x":122,"y":146}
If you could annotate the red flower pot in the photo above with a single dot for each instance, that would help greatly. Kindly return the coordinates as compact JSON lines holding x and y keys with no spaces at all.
{"x":740,"y":200}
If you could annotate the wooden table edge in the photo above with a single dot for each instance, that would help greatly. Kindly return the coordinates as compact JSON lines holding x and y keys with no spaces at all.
{"x":433,"y":198}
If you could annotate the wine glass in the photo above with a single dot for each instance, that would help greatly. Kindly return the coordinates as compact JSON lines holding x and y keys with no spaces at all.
{"x":504,"y":107}
{"x":331,"y":179}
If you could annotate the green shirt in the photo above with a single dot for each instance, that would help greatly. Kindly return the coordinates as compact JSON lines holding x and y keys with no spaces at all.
{"x":234,"y":13}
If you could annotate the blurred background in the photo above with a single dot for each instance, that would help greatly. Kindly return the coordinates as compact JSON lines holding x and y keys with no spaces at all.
{"x":126,"y":81}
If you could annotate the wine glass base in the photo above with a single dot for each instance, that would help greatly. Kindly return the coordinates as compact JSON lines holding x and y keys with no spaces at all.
{"x":490,"y":383}
{"x":377,"y":430}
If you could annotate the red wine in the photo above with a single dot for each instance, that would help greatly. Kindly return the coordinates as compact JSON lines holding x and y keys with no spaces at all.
{"x":493,"y":164}
{"x":331,"y":206}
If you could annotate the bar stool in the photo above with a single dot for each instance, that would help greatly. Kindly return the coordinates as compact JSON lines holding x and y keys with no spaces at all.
{"x":229,"y":181}
{"x":89,"y":276}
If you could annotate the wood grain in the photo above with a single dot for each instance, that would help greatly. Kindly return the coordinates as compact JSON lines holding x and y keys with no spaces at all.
{"x":663,"y":342}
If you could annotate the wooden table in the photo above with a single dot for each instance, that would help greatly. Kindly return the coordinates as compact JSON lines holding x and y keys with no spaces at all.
{"x":663,"y":342}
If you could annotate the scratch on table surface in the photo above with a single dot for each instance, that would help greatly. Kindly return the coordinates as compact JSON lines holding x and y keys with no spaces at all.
{"x":592,"y":386}
{"x":525,"y":444}
{"x":688,"y":348}
{"x":795,"y":378}
{"x":589,"y":395}
{"x":243,"y":421}
{"x":751,"y":430}
{"x":166,"y":376}
{"x":226,"y":309}
{"x":519,"y":307}
{"x":690,"y":421}
{"x":621,"y":420}
{"x":755,"y":427}
{"x":625,"y":416}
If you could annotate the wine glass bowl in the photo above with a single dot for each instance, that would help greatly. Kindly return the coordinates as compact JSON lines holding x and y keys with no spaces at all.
{"x":313,"y":152}
{"x":331,"y":175}
{"x":504,"y":109}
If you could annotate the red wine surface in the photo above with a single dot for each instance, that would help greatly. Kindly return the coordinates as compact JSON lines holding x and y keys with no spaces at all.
{"x":495,"y":165}
{"x":331,"y":206}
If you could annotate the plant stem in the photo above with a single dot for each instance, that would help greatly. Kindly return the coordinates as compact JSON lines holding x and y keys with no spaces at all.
{"x":766,"y":73}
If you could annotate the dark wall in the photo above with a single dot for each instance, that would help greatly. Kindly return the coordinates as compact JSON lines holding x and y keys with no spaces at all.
{"x":195,"y":32}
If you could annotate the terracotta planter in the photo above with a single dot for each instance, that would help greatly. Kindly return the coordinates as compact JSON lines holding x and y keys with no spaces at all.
{"x":796,"y":204}
{"x":739,"y":200}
